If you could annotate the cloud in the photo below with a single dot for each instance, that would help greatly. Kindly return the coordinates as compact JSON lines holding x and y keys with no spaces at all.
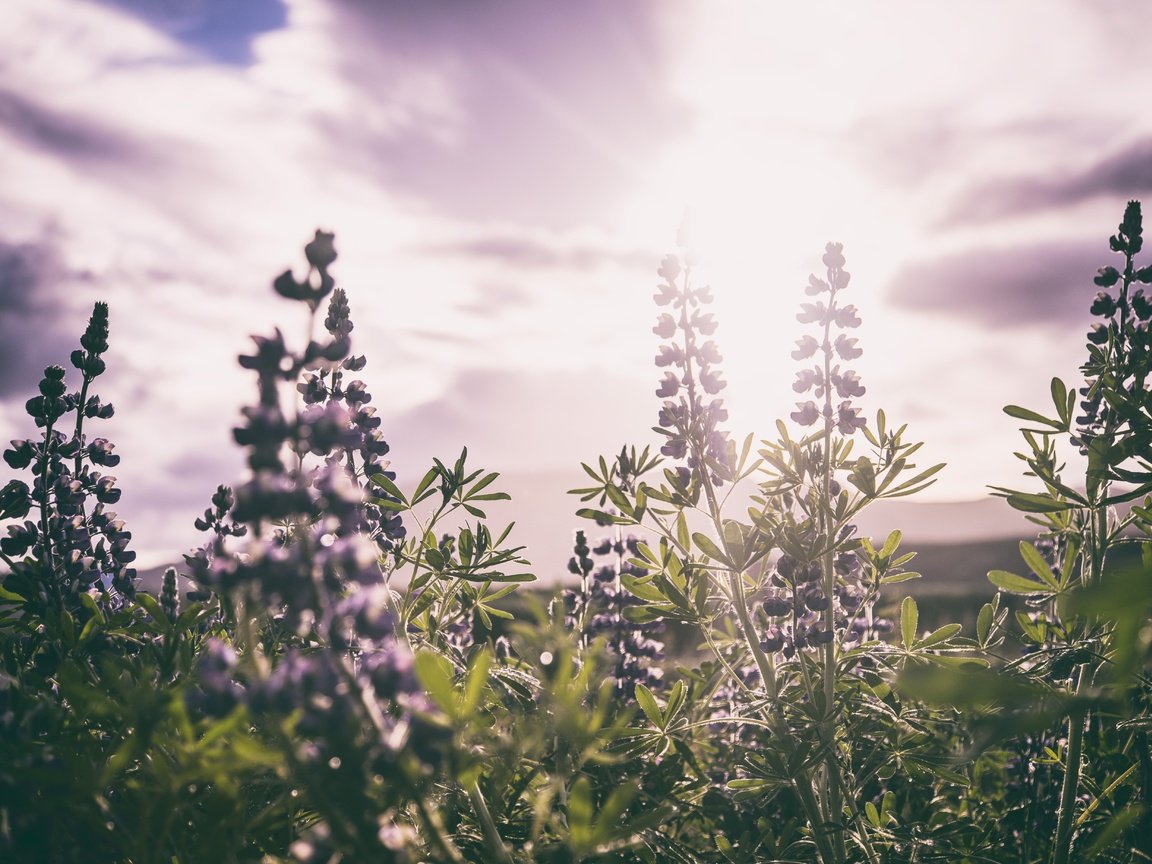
{"x":520,"y":419}
{"x":35,"y":330}
{"x":1126,"y":173}
{"x":494,"y":298}
{"x":540,"y":131}
{"x":69,"y":137}
{"x":1004,"y":288}
{"x":523,"y":251}
{"x":222,"y":30}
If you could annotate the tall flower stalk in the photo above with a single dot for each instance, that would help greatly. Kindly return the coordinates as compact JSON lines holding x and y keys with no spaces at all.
{"x":1081,"y":526}
{"x":75,"y":545}
{"x":791,"y":591}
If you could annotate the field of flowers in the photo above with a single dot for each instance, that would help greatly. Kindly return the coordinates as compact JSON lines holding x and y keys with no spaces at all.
{"x":346,"y":682}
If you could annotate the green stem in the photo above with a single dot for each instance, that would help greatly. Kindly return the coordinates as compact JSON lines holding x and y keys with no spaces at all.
{"x":1062,"y":851}
{"x":1065,"y":822}
{"x":491,"y":833}
{"x":52,"y":587}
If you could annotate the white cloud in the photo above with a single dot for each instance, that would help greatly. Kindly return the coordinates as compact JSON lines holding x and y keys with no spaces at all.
{"x":469,"y":159}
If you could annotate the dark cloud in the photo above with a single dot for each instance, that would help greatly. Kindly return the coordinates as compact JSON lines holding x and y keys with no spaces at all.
{"x":34,"y":332}
{"x":1126,"y":173}
{"x":1007,"y":288}
{"x":220,"y":29}
{"x":526,"y":252}
{"x":563,"y":103}
{"x":56,"y":133}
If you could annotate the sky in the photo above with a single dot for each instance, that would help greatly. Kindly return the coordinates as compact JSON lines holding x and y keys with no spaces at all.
{"x":503,"y":177}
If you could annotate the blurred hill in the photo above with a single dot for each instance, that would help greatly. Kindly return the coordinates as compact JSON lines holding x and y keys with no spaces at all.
{"x":957,"y":542}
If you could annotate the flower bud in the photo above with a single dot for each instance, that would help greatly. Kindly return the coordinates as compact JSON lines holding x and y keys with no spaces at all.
{"x":1104,"y":305}
{"x":321,"y":251}
{"x":1106,"y":277}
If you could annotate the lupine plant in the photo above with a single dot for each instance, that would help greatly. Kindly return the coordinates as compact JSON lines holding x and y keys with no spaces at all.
{"x":73,"y":544}
{"x":1073,"y":683}
{"x":356,"y":677}
{"x":784,"y":598}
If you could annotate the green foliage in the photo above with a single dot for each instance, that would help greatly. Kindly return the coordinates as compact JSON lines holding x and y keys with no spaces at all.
{"x":349,"y":681}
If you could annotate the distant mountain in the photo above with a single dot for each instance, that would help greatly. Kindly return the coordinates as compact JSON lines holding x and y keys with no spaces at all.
{"x":546,"y":521}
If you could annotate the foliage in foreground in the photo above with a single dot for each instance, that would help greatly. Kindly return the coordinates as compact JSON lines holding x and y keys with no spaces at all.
{"x":346,"y":683}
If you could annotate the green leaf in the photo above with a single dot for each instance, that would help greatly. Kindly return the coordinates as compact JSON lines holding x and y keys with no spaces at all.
{"x":619,"y":499}
{"x":1112,"y":831}
{"x":984,"y":623}
{"x":1029,"y":503}
{"x":607,"y":821}
{"x":936,"y":637}
{"x":649,"y":706}
{"x":152,"y":606}
{"x":481,"y":484}
{"x":893,"y":578}
{"x":676,"y":699}
{"x":423,"y":486}
{"x":909,"y":619}
{"x":494,"y":576}
{"x":1031,"y":416}
{"x":387,"y":504}
{"x":435,"y":559}
{"x":705,"y":544}
{"x":891,"y":544}
{"x":1013,"y":584}
{"x":863,"y":477}
{"x":600,"y":516}
{"x":1060,"y":401}
{"x":1037,"y":564}
{"x":920,"y":481}
{"x":682,"y":536}
{"x":435,"y":673}
{"x":386,"y":483}
{"x":580,"y":811}
{"x":476,"y":681}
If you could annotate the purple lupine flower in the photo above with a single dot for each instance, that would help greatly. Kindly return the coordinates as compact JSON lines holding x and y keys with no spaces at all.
{"x":847,"y":384}
{"x":848,"y":419}
{"x":845,"y":347}
{"x":595,"y":609}
{"x":807,"y":415}
{"x":669,"y":386}
{"x":665,"y":326}
{"x":805,"y":347}
{"x":690,"y":422}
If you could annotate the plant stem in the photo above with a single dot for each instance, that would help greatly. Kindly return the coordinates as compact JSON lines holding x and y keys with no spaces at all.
{"x":1065,"y":823}
{"x":828,"y":568}
{"x":491,"y":833}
